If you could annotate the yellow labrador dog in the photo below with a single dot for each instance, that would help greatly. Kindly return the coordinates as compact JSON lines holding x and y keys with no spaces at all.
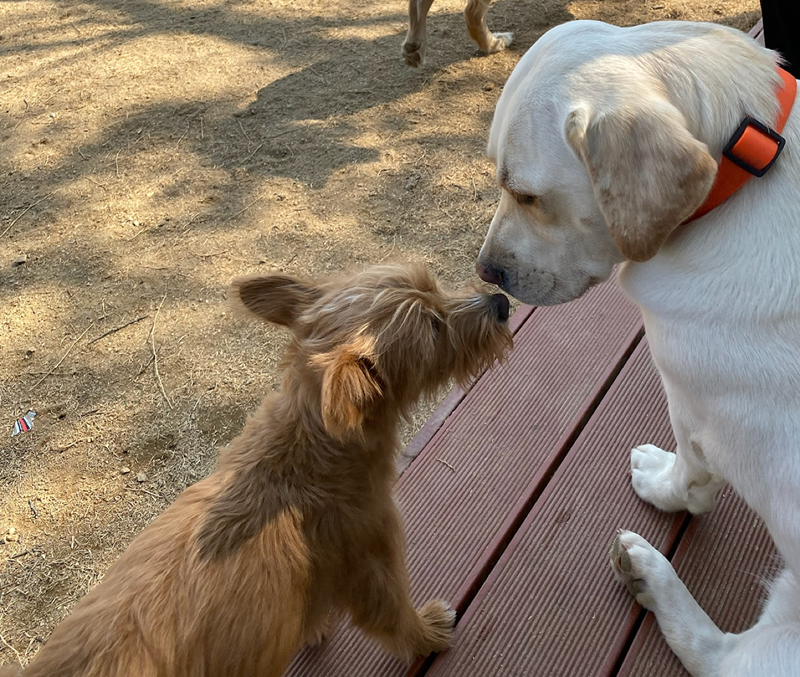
{"x":606,"y":140}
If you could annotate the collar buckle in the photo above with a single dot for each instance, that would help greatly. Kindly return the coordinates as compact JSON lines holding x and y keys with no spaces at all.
{"x":753,"y":147}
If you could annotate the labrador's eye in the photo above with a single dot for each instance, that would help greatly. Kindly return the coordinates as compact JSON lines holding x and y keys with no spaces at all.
{"x":528,"y":199}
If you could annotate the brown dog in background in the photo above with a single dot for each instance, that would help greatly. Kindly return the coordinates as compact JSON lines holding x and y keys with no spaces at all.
{"x":416,"y":42}
{"x":298,"y":522}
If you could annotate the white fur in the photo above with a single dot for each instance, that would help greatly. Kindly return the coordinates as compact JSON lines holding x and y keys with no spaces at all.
{"x":720,"y":296}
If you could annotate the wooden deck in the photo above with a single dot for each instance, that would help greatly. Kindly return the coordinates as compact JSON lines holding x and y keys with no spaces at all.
{"x":514,"y":495}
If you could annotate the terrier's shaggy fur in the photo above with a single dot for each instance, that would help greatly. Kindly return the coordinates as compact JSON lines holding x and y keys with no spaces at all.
{"x":298,"y":522}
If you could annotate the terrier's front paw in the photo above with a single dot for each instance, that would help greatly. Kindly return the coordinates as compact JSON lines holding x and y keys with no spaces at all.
{"x":414,"y":53}
{"x":439,"y":619}
{"x":499,"y":42}
{"x":317,"y":635}
{"x":642,"y":569}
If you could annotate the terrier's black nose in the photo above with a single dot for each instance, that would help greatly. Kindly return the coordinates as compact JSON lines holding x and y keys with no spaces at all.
{"x":488,"y":273}
{"x":501,"y":306}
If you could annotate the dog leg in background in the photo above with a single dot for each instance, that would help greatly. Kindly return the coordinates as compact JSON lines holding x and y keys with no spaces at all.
{"x":674,"y":482}
{"x":417,"y":39}
{"x":475,"y":15}
{"x":381,"y":603}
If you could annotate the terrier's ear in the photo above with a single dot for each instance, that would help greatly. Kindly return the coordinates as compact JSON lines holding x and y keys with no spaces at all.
{"x":648,"y":172}
{"x":350,"y":386}
{"x":275,"y":298}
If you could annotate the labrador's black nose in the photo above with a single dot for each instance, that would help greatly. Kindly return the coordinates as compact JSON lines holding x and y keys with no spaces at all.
{"x":488,"y":273}
{"x":501,"y":306}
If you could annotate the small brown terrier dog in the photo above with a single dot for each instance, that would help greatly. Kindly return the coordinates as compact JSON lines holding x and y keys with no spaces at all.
{"x":298,"y":522}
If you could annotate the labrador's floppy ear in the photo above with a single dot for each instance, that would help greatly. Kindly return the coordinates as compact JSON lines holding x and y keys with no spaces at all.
{"x":276,"y":298}
{"x":648,"y":172}
{"x":350,"y":386}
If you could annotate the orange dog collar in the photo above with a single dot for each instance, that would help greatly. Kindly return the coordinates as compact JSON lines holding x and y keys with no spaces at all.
{"x":751,"y":151}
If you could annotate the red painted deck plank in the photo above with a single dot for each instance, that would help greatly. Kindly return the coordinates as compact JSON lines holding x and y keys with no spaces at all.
{"x":449,"y":404}
{"x":466,"y":493}
{"x":551,"y":606}
{"x":724,"y":559}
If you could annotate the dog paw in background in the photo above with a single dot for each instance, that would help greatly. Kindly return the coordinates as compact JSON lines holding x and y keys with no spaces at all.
{"x":414,"y":52}
{"x":499,"y":42}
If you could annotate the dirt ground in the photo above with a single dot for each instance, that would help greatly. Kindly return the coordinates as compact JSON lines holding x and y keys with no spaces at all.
{"x":151,"y":150}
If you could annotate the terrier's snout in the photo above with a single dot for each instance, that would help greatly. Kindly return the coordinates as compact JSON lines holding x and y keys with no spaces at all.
{"x":501,"y":306}
{"x":488,"y":273}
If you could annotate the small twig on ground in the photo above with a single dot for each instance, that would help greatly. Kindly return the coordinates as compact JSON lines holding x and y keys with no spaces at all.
{"x":255,"y":150}
{"x":155,"y":355}
{"x":318,"y":74}
{"x":61,"y":450}
{"x":25,"y":211}
{"x":97,"y":183}
{"x":288,"y":131}
{"x":183,"y":135}
{"x":142,"y":491}
{"x":137,"y":233}
{"x":144,"y":368}
{"x":116,"y":329}
{"x":33,"y":508}
{"x":201,"y":397}
{"x":443,"y":462}
{"x":391,"y":251}
{"x":22,"y":117}
{"x":212,"y":254}
{"x":242,"y":211}
{"x":58,"y":364}
{"x":16,"y":653}
{"x":116,"y":162}
{"x":244,"y":132}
